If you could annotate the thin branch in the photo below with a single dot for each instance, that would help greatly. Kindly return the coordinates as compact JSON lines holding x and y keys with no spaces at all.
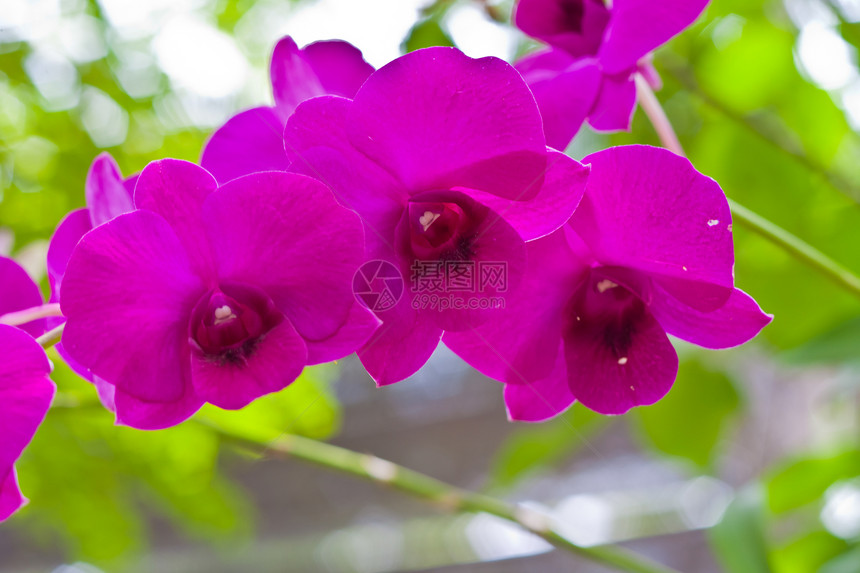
{"x":767,"y":131}
{"x":20,"y":317}
{"x":446,"y":496}
{"x":51,"y":337}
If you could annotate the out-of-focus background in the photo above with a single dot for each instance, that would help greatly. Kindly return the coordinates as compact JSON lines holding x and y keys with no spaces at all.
{"x":751,"y":464}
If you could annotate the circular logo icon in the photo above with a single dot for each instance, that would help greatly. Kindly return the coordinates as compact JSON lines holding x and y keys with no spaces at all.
{"x":378,"y":285}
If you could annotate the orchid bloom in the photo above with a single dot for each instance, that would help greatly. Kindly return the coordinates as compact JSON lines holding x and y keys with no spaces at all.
{"x":194,"y":297}
{"x":594,"y":51}
{"x":19,"y":293}
{"x":25,"y":389}
{"x":647,"y":253}
{"x":26,"y":392}
{"x":444,"y":159}
{"x":108,"y":195}
{"x":252,"y":140}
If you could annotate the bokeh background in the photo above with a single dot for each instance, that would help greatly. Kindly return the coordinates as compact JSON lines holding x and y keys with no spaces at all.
{"x":751,"y":464}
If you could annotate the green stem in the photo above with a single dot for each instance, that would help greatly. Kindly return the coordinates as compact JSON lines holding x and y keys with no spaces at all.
{"x":30,"y":314}
{"x":440,"y":493}
{"x":51,"y":337}
{"x":750,"y":219}
{"x":762,"y":127}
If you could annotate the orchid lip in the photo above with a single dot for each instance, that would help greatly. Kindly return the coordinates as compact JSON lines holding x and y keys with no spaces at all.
{"x":440,"y":229}
{"x":610,"y":310}
{"x":228,"y":321}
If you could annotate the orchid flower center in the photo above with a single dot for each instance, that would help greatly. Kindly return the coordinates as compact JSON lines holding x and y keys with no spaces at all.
{"x":438,"y":230}
{"x":606,"y":310}
{"x":228,"y":321}
{"x":573,"y":11}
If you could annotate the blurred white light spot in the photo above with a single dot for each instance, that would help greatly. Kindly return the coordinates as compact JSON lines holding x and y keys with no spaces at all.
{"x":850,"y":9}
{"x":727,"y":30}
{"x":478,"y":36}
{"x":851,"y":104}
{"x":376,"y":27}
{"x":804,"y":11}
{"x":29,"y":20}
{"x":703,"y":502}
{"x":77,"y":568}
{"x":81,"y":37}
{"x":826,"y":57}
{"x":55,"y":78}
{"x":200,"y":58}
{"x":493,"y":538}
{"x":585,"y":519}
{"x":135,"y":19}
{"x":104,"y":120}
{"x":841,"y":512}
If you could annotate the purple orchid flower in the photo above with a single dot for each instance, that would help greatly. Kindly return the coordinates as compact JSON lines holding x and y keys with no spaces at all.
{"x":19,"y":293}
{"x":253,"y":140}
{"x":108,"y":195}
{"x":25,"y":397}
{"x":596,"y":48}
{"x":444,"y":159}
{"x":25,"y":389}
{"x":647,"y":253}
{"x":213,"y":294}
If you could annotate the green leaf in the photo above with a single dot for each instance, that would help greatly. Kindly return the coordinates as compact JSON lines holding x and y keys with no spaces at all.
{"x":845,"y":563}
{"x":534,"y":447}
{"x":426,"y":33}
{"x":808,"y":553}
{"x":738,"y":539}
{"x":690,"y":421}
{"x":840,"y":344}
{"x":307,"y":407}
{"x":805,"y":480}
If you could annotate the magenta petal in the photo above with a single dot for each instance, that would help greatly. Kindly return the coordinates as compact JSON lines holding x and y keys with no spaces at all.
{"x":19,"y":292}
{"x":552,"y":207}
{"x":106,"y":393}
{"x":352,"y":335}
{"x":25,"y":392}
{"x":250,"y":141}
{"x":70,"y":230}
{"x":438,"y":119}
{"x":25,"y":397}
{"x":127,"y":295}
{"x":647,"y":209}
{"x":639,"y":26}
{"x":176,"y":190}
{"x":339,"y":65}
{"x":542,"y":399}
{"x":11,"y":499}
{"x":318,"y":146}
{"x":611,"y":384}
{"x":565,"y":96}
{"x":733,"y":324}
{"x":143,"y":415}
{"x":275,"y":362}
{"x":576,"y":26}
{"x":106,"y":192}
{"x":400,"y":346}
{"x":614,"y":105}
{"x":520,"y":344}
{"x":494,"y":244}
{"x":296,"y":243}
{"x":293,"y":78}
